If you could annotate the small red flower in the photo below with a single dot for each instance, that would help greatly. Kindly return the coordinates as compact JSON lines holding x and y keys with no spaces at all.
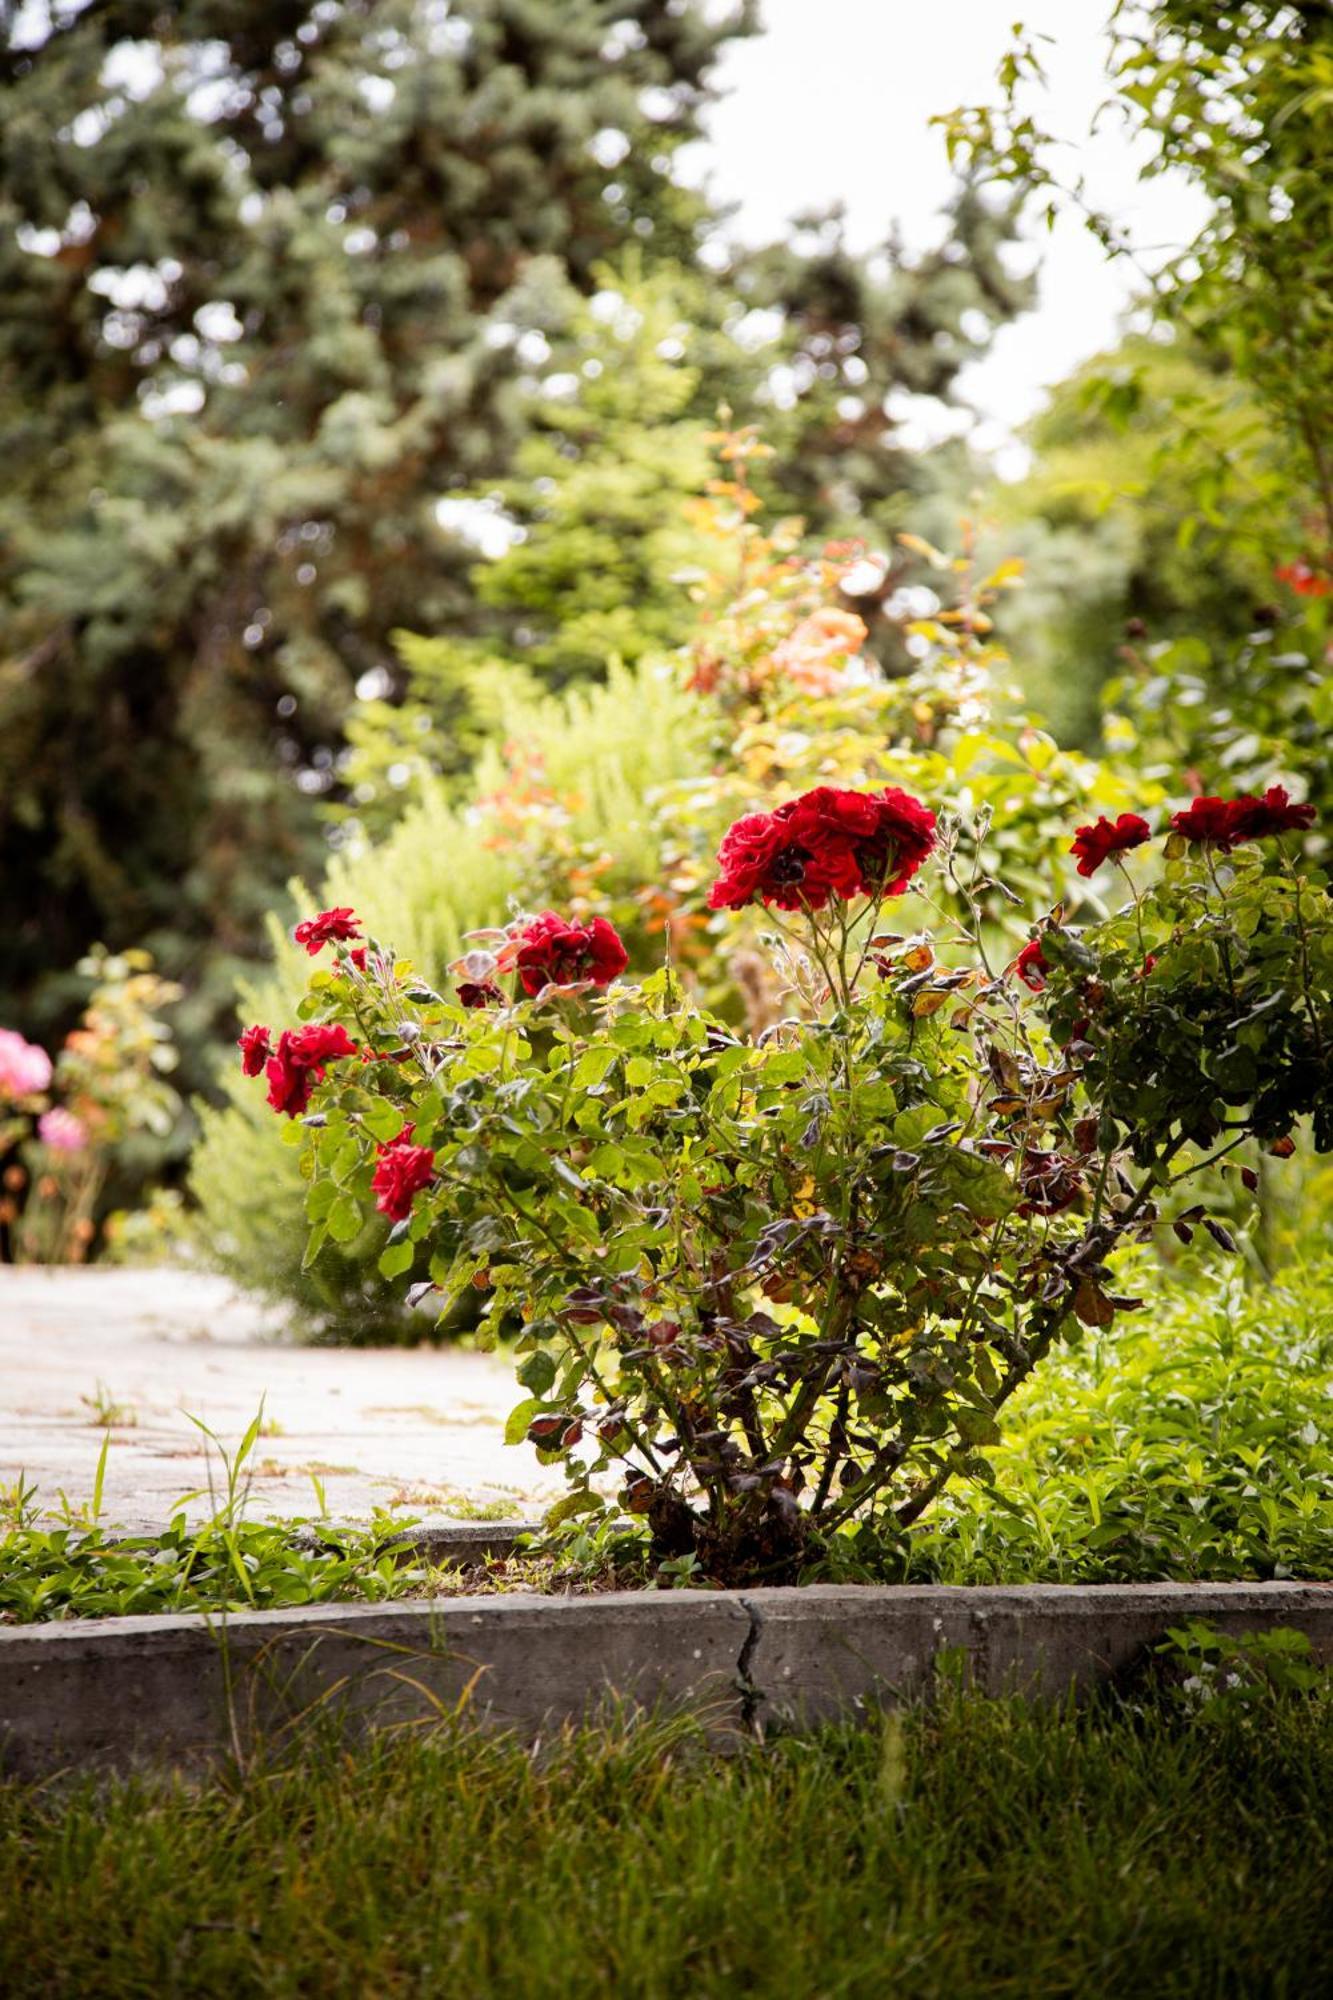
{"x":1208,"y":822}
{"x":358,"y":957}
{"x":1097,"y":843}
{"x":552,"y":951}
{"x":1031,"y":965}
{"x":329,"y":927}
{"x":828,"y":843}
{"x":474,"y":993}
{"x":402,"y":1170}
{"x":1304,"y":579}
{"x":255,"y":1046}
{"x":298,"y":1063}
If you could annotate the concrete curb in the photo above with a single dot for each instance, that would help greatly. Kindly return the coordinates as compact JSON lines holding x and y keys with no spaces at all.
{"x":117,"y":1693}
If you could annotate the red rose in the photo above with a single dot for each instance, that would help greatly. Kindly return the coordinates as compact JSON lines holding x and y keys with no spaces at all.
{"x":1097,"y":843}
{"x":474,"y":993}
{"x":255,"y":1046}
{"x":829,"y":842}
{"x":329,"y":927}
{"x":1209,"y":822}
{"x":1255,"y":819}
{"x":552,"y":951}
{"x":298,"y":1063}
{"x":401,"y":1171}
{"x":1031,"y":965}
{"x":866,"y":843}
{"x":759,"y":858}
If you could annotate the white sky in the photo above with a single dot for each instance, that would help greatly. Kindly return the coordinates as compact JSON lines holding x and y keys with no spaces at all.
{"x":833,"y":102}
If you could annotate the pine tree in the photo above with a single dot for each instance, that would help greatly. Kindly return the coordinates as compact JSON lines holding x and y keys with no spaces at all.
{"x":268,"y":272}
{"x":279,"y":278}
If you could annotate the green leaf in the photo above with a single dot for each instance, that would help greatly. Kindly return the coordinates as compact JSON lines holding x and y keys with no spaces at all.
{"x":516,"y":1424}
{"x":384,"y":1121}
{"x":593,"y":1066}
{"x":344,"y":1218}
{"x":396,"y":1258}
{"x":584,"y":1502}
{"x":537,"y":1372}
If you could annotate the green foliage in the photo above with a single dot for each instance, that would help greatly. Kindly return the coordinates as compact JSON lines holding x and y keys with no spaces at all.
{"x":268,"y":272}
{"x":91,"y":1572}
{"x":1239,"y":99}
{"x":600,"y":556}
{"x":1254,"y":715}
{"x":1189,"y":1444}
{"x":76,"y":1568}
{"x":1156,"y":503}
{"x":969,"y":1847}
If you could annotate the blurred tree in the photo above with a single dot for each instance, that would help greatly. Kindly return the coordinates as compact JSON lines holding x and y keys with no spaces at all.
{"x":279,"y":280}
{"x":1154,"y":499}
{"x":1240,"y":100}
{"x":272,"y":273}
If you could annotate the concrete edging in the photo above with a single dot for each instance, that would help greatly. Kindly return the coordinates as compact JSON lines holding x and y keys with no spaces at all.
{"x":117,"y":1693}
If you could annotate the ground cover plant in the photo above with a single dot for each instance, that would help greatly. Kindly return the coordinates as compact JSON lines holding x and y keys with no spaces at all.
{"x":70,"y":1563}
{"x":1194,"y":1442}
{"x":782,"y":1288}
{"x":1176,"y":1843}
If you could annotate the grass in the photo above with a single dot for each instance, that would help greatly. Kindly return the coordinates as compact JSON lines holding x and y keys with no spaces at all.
{"x":971,"y":1848}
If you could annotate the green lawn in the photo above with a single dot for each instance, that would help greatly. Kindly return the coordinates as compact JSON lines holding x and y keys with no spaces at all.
{"x":979,"y":1848}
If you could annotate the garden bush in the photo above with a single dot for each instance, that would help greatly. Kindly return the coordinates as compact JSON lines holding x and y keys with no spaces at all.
{"x":781,"y":1288}
{"x":611,"y":802}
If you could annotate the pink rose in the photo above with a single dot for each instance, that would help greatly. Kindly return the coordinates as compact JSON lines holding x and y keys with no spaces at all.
{"x":62,"y":1131}
{"x":24,"y":1068}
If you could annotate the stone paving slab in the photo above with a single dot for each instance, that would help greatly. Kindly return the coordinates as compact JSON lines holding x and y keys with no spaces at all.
{"x":87,"y":1353}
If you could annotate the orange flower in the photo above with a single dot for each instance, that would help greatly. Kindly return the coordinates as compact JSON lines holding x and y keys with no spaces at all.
{"x":814,"y":657}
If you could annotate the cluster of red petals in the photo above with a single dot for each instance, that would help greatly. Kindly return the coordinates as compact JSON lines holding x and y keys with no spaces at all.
{"x":1304,"y":579}
{"x":299,"y":1061}
{"x":553,"y":951}
{"x":1097,"y":843}
{"x":256,"y":1046}
{"x":329,"y":927}
{"x":827,"y":843}
{"x":1226,"y":823}
{"x":479,"y":993}
{"x":1031,"y":965}
{"x":401,"y":1171}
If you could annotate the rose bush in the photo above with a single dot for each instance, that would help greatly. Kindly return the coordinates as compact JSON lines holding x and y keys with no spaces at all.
{"x":772,"y":1293}
{"x":66,"y":1125}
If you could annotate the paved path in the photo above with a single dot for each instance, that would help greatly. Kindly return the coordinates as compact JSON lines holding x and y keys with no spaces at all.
{"x":84,"y":1353}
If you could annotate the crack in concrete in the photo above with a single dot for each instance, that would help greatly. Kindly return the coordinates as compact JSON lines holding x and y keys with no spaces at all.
{"x":751,"y":1695}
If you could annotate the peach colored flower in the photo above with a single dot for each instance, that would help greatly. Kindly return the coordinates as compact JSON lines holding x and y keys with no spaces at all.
{"x":815,"y":656}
